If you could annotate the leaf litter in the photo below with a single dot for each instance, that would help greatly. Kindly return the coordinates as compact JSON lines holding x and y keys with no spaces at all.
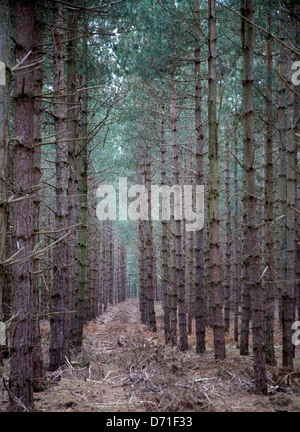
{"x":123,"y":366}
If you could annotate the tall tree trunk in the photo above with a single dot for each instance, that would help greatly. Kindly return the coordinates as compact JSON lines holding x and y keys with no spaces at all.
{"x":269,"y":234}
{"x":251,"y":241}
{"x":297,"y":166}
{"x":39,"y":374}
{"x":190,"y":267}
{"x":228,"y":273}
{"x":21,"y":389}
{"x":142,"y":270}
{"x":236,"y":288}
{"x":178,"y":235}
{"x":173,"y":288}
{"x":288,"y":305}
{"x":110,"y":265}
{"x":72,"y":130}
{"x":164,"y":239}
{"x":93,"y":251}
{"x":101,"y":269}
{"x":149,"y":248}
{"x":105,"y":275}
{"x":199,"y":297}
{"x":123,"y":271}
{"x":282,"y":156}
{"x":4,"y":142}
{"x":82,"y":157}
{"x":219,"y":341}
{"x":246,"y":307}
{"x":59,"y":342}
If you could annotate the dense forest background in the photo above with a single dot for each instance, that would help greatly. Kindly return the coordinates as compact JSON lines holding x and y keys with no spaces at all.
{"x":160,"y":92}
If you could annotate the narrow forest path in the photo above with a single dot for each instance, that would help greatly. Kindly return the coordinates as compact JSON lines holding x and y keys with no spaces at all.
{"x":125,"y":367}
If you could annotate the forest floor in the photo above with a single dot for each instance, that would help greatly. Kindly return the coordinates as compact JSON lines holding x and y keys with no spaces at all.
{"x":123,"y":367}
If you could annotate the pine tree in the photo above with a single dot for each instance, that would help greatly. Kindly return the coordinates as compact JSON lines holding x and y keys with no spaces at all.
{"x":219,"y":341}
{"x":21,"y":389}
{"x":250,"y":197}
{"x":59,"y":345}
{"x":4,"y":142}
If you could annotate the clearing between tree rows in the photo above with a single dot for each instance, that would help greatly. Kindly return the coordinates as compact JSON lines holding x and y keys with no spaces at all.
{"x":124,"y":367}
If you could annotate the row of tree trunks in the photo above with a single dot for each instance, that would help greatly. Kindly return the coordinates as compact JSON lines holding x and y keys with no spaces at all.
{"x":258,"y":292}
{"x":32,"y":276}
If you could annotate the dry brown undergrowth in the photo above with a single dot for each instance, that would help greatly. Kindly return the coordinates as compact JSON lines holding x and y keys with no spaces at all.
{"x":124,"y":367}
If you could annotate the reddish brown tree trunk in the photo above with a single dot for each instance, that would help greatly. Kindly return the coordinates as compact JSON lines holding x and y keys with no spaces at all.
{"x":4,"y":144}
{"x":251,"y":241}
{"x":236,"y":288}
{"x":282,"y":156}
{"x":142,"y":271}
{"x":288,"y":305}
{"x":228,"y":273}
{"x":59,"y":343}
{"x":190,"y":267}
{"x":164,"y":240}
{"x":106,"y":267}
{"x":82,"y":158}
{"x":149,"y":248}
{"x":72,"y":131}
{"x":269,"y":234}
{"x":246,"y":311}
{"x":178,"y":235}
{"x":21,"y":389}
{"x":173,"y":288}
{"x":39,"y":375}
{"x":199,"y":297}
{"x":219,"y":341}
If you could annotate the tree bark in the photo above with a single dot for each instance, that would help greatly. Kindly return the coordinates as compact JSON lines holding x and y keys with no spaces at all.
{"x":251,"y":241}
{"x":236,"y":288}
{"x":246,"y":307}
{"x":149,"y":248}
{"x":269,"y":278}
{"x":190,"y":265}
{"x":199,"y":297}
{"x":282,"y":157}
{"x":72,"y":131}
{"x":288,"y":305}
{"x":39,"y":373}
{"x":228,"y":239}
{"x":164,"y":239}
{"x":21,"y":388}
{"x":173,"y":288}
{"x":178,"y":235}
{"x":142,"y":270}
{"x":4,"y":144}
{"x":59,"y":342}
{"x":82,"y":157}
{"x":216,"y":288}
